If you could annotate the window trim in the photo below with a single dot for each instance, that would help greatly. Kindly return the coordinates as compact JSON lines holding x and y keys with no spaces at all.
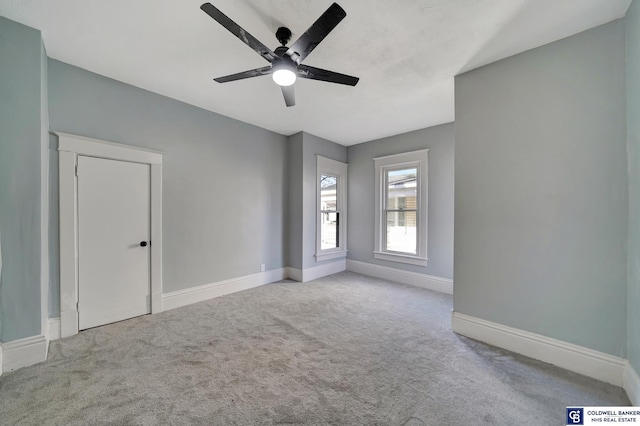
{"x":327,"y":166}
{"x":418,"y":159}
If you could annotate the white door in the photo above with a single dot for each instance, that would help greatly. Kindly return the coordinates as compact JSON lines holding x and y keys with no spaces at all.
{"x":113,"y":241}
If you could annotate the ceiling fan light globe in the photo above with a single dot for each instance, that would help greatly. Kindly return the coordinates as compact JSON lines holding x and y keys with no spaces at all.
{"x":284,"y":77}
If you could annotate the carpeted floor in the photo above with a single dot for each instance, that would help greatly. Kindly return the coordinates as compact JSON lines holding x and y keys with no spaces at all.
{"x":342,"y":350}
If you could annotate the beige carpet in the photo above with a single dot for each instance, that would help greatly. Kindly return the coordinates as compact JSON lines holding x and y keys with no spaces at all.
{"x":343,"y":350}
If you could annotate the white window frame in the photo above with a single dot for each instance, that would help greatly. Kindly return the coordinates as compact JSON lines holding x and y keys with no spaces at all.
{"x":418,"y":159}
{"x":327,"y":166}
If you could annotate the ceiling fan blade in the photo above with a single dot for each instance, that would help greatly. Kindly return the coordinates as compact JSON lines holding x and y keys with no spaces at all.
{"x":316,"y":33}
{"x":244,"y":74}
{"x":313,"y":73}
{"x":239,"y":32}
{"x":289,"y":95}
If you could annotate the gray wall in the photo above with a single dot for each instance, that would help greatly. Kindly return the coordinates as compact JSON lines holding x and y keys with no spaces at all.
{"x":632,"y":24}
{"x":440,"y":142}
{"x":224,"y":181}
{"x":20,"y":157}
{"x":303,"y":148}
{"x":541,"y":191}
{"x":314,"y":146}
{"x":294,"y":212}
{"x":45,"y":272}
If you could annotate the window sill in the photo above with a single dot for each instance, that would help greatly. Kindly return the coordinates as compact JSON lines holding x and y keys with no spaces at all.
{"x":401,"y":258}
{"x":332,"y":255}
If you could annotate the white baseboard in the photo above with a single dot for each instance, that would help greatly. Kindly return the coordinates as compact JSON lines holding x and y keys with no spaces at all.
{"x":0,"y":359}
{"x":578,"y":359}
{"x":631,"y":384}
{"x":23,"y":352}
{"x":185,"y":297}
{"x":53,"y":329}
{"x":310,"y":274}
{"x":294,"y":274}
{"x":442,"y":285}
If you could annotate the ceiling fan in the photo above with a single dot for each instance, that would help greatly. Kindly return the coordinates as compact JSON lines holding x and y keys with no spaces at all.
{"x":286,"y":62}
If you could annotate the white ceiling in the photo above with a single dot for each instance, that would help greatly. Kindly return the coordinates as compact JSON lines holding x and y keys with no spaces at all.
{"x":405,"y":53}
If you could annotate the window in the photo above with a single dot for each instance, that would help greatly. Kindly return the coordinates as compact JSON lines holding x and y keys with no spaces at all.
{"x":331,"y":235}
{"x":401,"y":208}
{"x":329,"y":214}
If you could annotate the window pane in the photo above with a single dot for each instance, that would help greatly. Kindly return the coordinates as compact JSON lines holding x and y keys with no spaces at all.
{"x":402,"y":190}
{"x":329,"y":230}
{"x":329,"y":214}
{"x":401,"y":232}
{"x":328,"y":192}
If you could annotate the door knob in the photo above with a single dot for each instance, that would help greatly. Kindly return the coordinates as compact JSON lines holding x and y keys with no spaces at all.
{"x":143,"y":243}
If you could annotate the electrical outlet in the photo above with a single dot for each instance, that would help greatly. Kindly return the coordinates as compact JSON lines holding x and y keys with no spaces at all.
{"x":262,"y":267}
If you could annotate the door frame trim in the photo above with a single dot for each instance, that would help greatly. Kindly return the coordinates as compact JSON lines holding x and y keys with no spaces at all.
{"x":69,"y":147}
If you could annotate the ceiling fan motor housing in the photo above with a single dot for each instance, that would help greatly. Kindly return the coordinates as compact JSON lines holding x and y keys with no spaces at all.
{"x":284,"y":62}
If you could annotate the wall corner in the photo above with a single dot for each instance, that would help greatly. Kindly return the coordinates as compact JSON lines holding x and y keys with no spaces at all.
{"x":631,"y":384}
